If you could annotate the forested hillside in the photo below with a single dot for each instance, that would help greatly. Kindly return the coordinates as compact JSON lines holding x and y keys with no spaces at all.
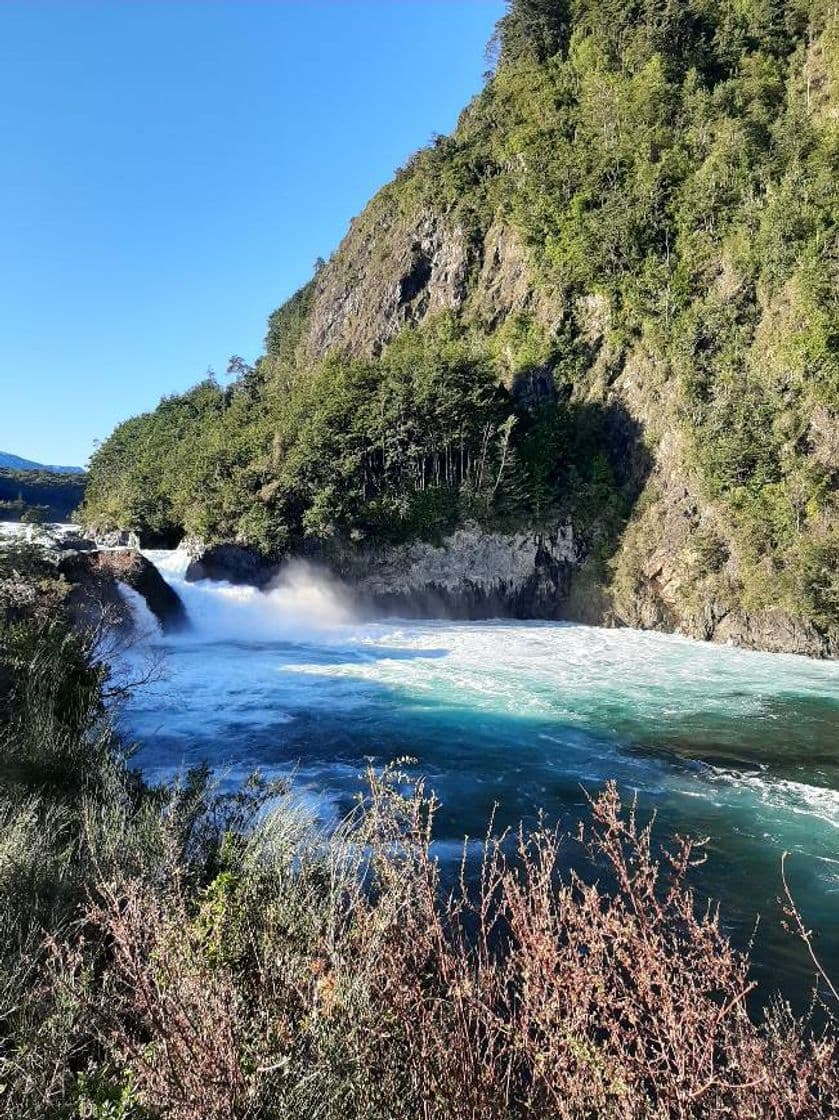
{"x":609,"y":297}
{"x":42,"y":495}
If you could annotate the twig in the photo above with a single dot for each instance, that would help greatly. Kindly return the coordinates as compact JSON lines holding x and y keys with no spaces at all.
{"x":804,"y":934}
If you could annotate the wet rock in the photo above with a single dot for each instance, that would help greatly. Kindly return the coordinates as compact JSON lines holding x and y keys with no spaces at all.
{"x":776,"y":631}
{"x":132,"y":568}
{"x":231,"y":562}
{"x":95,"y":595}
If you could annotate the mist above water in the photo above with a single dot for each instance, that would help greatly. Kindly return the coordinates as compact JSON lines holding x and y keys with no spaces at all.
{"x":301,"y":601}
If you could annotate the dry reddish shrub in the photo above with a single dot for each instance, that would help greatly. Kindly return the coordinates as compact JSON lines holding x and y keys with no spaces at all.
{"x":166,"y":1013}
{"x":350,"y":985}
{"x":119,"y":563}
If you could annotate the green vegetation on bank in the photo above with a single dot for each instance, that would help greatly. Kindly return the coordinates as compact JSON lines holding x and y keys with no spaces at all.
{"x":406,"y":445}
{"x":175,"y":952}
{"x":671,"y":169}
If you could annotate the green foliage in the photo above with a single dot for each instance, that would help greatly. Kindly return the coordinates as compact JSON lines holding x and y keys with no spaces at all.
{"x":102,"y":1099}
{"x":56,"y":496}
{"x":403,"y":446}
{"x":197,"y":462}
{"x":285,"y":329}
{"x":532,"y":29}
{"x":672,"y":169}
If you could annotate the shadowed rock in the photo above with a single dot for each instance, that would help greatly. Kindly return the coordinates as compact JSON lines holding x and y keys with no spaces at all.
{"x":95,"y":593}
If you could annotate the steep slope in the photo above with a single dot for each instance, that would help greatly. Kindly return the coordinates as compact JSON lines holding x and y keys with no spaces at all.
{"x":608,"y":301}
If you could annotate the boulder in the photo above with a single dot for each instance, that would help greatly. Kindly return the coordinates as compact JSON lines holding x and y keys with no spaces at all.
{"x":95,"y":595}
{"x":233,"y":563}
{"x":132,"y":568}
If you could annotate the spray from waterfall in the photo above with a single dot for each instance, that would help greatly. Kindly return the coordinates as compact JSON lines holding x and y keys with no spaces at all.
{"x":302,"y":602}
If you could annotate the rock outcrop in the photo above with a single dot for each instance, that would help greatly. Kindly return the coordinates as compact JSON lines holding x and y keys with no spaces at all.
{"x":132,"y":568}
{"x":470,"y":574}
{"x":230,"y":562}
{"x":94,"y":597}
{"x":393,"y":270}
{"x":117,"y":538}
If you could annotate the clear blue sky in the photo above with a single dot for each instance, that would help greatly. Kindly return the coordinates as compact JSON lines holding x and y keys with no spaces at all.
{"x":171,"y":170}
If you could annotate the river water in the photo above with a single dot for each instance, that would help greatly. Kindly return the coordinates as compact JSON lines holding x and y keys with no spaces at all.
{"x":742,"y":747}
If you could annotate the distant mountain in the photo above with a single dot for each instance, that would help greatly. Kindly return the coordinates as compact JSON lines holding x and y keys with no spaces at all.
{"x":15,"y":463}
{"x":30,"y":489}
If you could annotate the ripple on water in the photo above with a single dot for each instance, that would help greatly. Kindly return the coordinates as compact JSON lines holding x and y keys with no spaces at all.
{"x":738,"y":745}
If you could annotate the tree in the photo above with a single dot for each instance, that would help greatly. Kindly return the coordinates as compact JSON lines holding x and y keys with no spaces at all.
{"x":534,"y":29}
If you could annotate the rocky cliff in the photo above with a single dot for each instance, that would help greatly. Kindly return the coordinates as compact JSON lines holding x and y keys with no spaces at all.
{"x":607,"y":301}
{"x":470,"y":574}
{"x":674,"y":566}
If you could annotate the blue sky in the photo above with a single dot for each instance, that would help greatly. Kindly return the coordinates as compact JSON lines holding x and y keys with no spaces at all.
{"x":171,"y":170}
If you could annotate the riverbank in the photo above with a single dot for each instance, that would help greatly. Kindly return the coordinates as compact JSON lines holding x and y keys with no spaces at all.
{"x":173,"y":950}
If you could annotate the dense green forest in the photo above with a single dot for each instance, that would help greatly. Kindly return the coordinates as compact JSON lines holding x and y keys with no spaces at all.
{"x":670,"y":173}
{"x":43,"y":494}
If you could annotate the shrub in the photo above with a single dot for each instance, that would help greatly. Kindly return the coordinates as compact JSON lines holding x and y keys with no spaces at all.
{"x":332,"y":976}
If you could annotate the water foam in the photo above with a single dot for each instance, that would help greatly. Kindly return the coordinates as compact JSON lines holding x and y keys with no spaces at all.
{"x":301,"y":602}
{"x":146,"y":624}
{"x":799,"y":798}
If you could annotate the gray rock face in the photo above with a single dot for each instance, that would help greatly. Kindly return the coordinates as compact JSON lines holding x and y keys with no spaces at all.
{"x":362,"y":301}
{"x":471,"y":574}
{"x":394,"y":270}
{"x":776,"y":632}
{"x":666,"y":598}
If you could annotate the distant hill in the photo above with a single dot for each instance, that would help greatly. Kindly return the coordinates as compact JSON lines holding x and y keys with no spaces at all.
{"x":15,"y":463}
{"x":47,"y":493}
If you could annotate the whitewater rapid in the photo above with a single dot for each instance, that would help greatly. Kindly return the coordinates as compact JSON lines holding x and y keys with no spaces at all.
{"x":740,"y":746}
{"x":714,"y":703}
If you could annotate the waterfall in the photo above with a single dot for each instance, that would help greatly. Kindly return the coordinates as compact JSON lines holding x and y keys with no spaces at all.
{"x":147,"y":626}
{"x":301,"y":602}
